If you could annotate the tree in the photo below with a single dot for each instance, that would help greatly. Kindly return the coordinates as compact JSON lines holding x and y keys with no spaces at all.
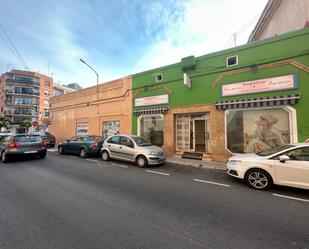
{"x":5,"y":123}
{"x":25,"y":123}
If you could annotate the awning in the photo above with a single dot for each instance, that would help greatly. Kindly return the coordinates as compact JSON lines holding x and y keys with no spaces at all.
{"x":258,"y":102}
{"x":151,"y":110}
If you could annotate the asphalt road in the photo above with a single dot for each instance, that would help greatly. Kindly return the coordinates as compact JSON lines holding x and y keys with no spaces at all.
{"x":68,"y":202}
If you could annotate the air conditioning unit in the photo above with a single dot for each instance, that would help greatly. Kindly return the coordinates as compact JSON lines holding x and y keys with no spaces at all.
{"x":187,"y":81}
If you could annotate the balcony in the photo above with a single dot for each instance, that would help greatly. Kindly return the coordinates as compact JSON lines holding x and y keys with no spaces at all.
{"x":10,"y":103}
{"x":24,"y":81}
{"x":21,"y":113}
{"x":22,"y":93}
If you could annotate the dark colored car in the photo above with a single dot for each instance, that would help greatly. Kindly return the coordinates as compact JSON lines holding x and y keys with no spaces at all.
{"x":83,"y":146}
{"x":22,"y":145}
{"x":49,"y":138}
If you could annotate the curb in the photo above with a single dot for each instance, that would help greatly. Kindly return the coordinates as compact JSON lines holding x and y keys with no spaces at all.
{"x":217,"y":166}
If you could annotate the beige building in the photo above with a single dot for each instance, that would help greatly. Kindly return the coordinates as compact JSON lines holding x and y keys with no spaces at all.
{"x":281,"y":16}
{"x":101,"y":111}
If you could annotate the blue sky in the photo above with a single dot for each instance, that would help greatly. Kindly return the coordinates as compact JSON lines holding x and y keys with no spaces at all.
{"x":118,"y":37}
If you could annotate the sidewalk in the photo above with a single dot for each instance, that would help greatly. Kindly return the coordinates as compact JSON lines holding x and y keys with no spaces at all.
{"x":197,"y":163}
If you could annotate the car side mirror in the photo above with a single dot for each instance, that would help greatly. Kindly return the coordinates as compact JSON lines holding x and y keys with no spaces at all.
{"x":284,"y":158}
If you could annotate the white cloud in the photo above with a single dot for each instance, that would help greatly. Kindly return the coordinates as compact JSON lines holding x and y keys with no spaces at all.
{"x":205,"y":26}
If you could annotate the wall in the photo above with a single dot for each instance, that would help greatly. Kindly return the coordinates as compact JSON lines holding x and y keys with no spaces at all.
{"x":114,"y":103}
{"x":284,"y":16}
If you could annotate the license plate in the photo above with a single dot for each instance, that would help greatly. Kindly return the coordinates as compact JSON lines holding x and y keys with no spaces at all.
{"x":30,"y":151}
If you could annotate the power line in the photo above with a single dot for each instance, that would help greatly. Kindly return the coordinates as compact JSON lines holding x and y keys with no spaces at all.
{"x":242,"y":29}
{"x":12,"y":47}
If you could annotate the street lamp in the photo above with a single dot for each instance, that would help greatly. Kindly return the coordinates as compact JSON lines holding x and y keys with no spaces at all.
{"x":96,"y":75}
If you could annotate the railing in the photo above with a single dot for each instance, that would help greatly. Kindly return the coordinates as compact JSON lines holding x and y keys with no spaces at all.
{"x":22,"y":93}
{"x":19,"y":113}
{"x":20,"y":103}
{"x":22,"y":81}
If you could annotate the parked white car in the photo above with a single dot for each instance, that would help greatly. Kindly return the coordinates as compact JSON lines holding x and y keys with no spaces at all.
{"x":286,"y":165}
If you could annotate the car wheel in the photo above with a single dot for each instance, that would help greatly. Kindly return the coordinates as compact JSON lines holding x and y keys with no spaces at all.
{"x":105,"y":156}
{"x":83,"y":153}
{"x":4,"y":157}
{"x":141,"y":161}
{"x":258,"y":179}
{"x":60,"y":150}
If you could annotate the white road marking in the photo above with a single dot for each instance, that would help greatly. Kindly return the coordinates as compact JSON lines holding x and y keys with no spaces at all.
{"x":119,"y":165}
{"x":52,"y":150}
{"x":290,"y":197}
{"x":214,"y":183}
{"x":157,"y":172}
{"x":92,"y":160}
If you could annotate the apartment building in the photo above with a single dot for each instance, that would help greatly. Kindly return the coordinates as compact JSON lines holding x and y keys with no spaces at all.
{"x":61,"y":89}
{"x":25,"y":95}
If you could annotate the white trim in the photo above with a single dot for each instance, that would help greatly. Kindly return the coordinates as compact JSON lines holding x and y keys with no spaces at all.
{"x":227,"y":58}
{"x":158,"y":75}
{"x":292,"y":122}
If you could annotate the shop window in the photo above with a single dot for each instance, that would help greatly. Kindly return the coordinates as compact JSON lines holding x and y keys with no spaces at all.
{"x":81,"y":129}
{"x":251,"y":131}
{"x":110,"y":128}
{"x":151,"y":127}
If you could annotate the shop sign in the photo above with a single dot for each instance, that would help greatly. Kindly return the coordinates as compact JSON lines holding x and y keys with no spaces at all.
{"x":81,"y":129}
{"x":261,"y":85}
{"x":152,"y":100}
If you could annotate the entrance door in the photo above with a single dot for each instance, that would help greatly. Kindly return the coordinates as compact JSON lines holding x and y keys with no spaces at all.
{"x":199,"y":135}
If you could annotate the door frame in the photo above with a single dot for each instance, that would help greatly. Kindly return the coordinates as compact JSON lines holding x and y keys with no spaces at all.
{"x":205,"y":130}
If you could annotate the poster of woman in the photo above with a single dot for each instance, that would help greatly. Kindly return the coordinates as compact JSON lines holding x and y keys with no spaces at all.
{"x":265,"y":129}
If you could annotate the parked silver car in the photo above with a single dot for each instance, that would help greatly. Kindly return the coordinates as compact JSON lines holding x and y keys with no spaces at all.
{"x":134,"y":149}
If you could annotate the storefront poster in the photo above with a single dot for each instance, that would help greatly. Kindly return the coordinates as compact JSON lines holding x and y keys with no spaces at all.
{"x":261,"y":85}
{"x":152,"y":100}
{"x":111,"y":128}
{"x":257,"y":130}
{"x":81,"y":129}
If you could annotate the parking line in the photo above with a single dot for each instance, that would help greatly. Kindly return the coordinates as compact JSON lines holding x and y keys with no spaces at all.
{"x":52,"y":150}
{"x":92,"y":160}
{"x":214,"y":183}
{"x":290,"y":197}
{"x":119,"y":165}
{"x":157,"y":172}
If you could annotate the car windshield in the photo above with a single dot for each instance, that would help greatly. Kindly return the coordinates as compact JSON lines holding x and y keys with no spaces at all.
{"x":27,"y":139}
{"x":274,"y":150}
{"x":141,"y":141}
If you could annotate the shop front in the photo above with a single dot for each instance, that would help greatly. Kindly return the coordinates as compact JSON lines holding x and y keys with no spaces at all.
{"x":263,"y":121}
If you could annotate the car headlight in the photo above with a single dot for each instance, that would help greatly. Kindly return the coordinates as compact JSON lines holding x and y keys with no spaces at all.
{"x":233,"y":162}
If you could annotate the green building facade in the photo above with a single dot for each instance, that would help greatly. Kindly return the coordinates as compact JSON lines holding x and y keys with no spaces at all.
{"x":241,"y":100}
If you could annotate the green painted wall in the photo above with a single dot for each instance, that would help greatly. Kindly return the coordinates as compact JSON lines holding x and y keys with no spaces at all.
{"x":294,"y":45}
